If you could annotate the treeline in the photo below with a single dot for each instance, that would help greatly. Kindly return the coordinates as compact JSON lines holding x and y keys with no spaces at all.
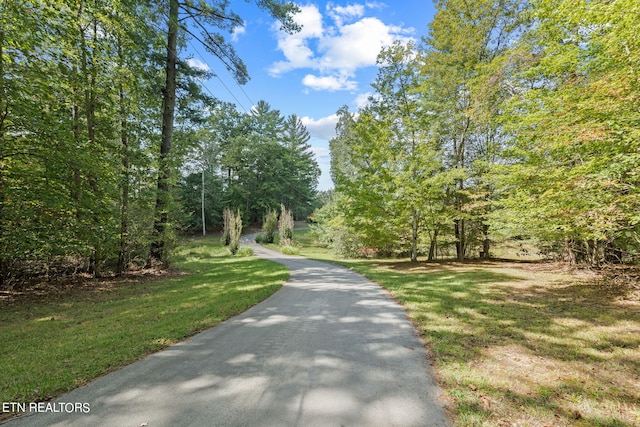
{"x":510,"y":120}
{"x":251,"y":162}
{"x":99,"y":114}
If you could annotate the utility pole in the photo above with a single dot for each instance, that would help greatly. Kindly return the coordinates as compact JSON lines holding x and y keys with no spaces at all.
{"x":204,"y":226}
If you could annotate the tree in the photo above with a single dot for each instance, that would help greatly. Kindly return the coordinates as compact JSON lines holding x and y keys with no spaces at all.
{"x":462,"y":87}
{"x":341,"y":155}
{"x":204,"y":16}
{"x":387,"y":163}
{"x":301,"y":171}
{"x":574,"y":182}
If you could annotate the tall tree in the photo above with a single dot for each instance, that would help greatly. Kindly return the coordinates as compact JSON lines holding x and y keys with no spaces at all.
{"x":575,"y":120}
{"x":462,"y":78}
{"x":387,"y":162}
{"x":205,"y":16}
{"x":301,"y":169}
{"x":413,"y":155}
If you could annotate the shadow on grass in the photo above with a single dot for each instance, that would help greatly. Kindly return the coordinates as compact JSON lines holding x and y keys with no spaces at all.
{"x":51,"y":345}
{"x":523,"y":346}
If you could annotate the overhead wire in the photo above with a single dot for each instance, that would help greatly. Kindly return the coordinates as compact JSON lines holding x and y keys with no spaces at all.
{"x":281,"y":178}
{"x":219,"y":79}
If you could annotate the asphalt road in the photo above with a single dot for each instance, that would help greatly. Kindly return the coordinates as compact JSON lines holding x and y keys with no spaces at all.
{"x":329,"y":349}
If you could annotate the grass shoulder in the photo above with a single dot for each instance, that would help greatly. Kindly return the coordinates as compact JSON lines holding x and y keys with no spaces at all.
{"x":519,"y":343}
{"x":58,"y":341}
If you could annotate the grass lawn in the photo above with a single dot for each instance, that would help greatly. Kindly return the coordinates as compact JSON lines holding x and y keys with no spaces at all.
{"x":520,"y":344}
{"x":56,"y":342}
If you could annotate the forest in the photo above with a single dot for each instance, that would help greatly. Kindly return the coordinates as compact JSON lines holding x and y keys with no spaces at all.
{"x":512,"y":121}
{"x":107,"y":135}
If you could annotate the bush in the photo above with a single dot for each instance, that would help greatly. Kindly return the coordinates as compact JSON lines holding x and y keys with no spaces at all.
{"x":332,"y":230}
{"x":232,"y":230}
{"x":244,"y":251}
{"x":269,"y":226}
{"x":289,"y":250}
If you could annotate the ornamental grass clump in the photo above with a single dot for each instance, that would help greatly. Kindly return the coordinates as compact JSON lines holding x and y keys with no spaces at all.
{"x":285,"y":226}
{"x":232,"y":230}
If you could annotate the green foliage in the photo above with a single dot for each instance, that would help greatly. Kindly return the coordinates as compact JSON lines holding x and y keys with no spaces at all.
{"x":234,"y":231}
{"x":331,"y":229}
{"x":251,"y":161}
{"x":244,"y":251}
{"x":512,"y":120}
{"x":93,"y":330}
{"x":269,"y":226}
{"x":573,"y":180}
{"x":289,"y":250}
{"x":389,"y":166}
{"x":80,"y":125}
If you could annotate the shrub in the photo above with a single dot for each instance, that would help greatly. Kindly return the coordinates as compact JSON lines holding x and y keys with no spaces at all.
{"x":244,"y":251}
{"x":235,"y":231}
{"x":289,"y":250}
{"x":269,"y":226}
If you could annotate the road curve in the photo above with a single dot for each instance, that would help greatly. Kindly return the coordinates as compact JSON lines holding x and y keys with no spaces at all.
{"x":328,"y":349}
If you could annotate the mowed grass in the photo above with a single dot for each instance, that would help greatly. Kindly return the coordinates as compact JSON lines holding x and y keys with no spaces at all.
{"x":51,"y":344}
{"x":520,"y":344}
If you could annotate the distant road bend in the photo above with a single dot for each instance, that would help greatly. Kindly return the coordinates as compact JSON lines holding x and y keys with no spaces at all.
{"x":328,"y":349}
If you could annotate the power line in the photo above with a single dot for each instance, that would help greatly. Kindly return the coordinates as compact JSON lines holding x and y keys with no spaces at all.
{"x":219,"y":79}
{"x":216,"y":75}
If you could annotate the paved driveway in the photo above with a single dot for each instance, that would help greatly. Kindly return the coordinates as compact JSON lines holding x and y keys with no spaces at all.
{"x":329,"y":349}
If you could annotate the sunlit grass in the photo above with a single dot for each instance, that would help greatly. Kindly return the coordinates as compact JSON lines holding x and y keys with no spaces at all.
{"x":519,"y":344}
{"x":51,"y":345}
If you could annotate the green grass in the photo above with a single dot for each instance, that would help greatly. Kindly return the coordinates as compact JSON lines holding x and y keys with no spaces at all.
{"x":521,"y":344}
{"x":54,"y":343}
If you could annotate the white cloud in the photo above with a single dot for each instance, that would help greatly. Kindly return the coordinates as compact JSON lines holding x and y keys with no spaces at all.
{"x":197,"y":64}
{"x":335,"y":52}
{"x":295,"y":46}
{"x":330,"y":83}
{"x":375,"y":5}
{"x":357,"y":45}
{"x":362,"y":100}
{"x":324,"y":128}
{"x":320,"y":152}
{"x":341,"y":13}
{"x":237,"y":32}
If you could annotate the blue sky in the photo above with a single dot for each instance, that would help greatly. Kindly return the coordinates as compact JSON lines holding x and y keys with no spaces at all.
{"x":330,"y":63}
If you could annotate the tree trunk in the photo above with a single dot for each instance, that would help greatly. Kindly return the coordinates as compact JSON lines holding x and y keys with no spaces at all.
{"x":568,"y":252}
{"x":459,"y":228}
{"x":204,"y":222}
{"x":433,"y":245}
{"x":90,"y":115}
{"x":124,"y":191}
{"x":161,"y":214}
{"x":486,"y":243}
{"x":612,"y":253}
{"x":414,"y":235}
{"x":4,"y":110}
